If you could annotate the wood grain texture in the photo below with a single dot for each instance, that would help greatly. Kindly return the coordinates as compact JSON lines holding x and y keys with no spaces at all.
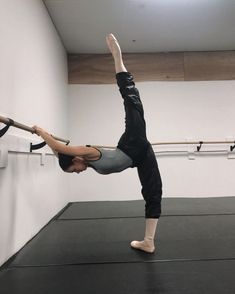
{"x":179,"y":66}
{"x":99,"y":68}
{"x":90,"y":69}
{"x":207,"y":66}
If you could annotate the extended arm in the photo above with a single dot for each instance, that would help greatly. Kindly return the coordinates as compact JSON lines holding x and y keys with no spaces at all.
{"x":57,"y":147}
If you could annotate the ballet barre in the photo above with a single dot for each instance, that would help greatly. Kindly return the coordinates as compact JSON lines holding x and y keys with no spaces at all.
{"x":11,"y":123}
{"x":198,"y":143}
{"x":194,"y":142}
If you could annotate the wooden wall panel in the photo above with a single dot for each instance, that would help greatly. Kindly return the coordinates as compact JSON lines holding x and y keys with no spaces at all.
{"x":99,"y":68}
{"x":90,"y":69}
{"x":156,"y":66}
{"x":206,"y":66}
{"x":189,"y":66}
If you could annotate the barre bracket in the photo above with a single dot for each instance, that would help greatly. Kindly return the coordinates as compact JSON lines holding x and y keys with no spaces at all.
{"x":200,"y":146}
{"x":40,"y":145}
{"x":5,"y":129}
{"x":232,"y":147}
{"x":37,"y":146}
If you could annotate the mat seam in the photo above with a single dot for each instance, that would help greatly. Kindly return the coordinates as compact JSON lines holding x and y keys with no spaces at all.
{"x":121,"y":262}
{"x":127,"y":217}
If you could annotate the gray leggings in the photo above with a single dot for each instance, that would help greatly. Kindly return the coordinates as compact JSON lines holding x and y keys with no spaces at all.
{"x":135,"y":144}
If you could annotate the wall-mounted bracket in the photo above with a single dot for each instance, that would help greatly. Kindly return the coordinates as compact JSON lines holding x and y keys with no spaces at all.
{"x":232,"y":147}
{"x":200,"y":146}
{"x":5,"y":129}
{"x":37,"y":146}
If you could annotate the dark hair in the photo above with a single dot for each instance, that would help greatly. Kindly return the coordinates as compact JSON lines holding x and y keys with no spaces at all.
{"x":65,"y":161}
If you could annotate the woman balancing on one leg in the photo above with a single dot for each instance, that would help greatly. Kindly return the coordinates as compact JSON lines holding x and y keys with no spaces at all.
{"x":133,"y":150}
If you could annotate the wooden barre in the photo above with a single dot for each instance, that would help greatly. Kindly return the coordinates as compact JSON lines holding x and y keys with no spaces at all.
{"x":194,"y":143}
{"x":18,"y":125}
{"x":178,"y":143}
{"x":15,"y":124}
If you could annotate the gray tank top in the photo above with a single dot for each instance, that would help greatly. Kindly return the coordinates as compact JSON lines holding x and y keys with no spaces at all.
{"x":111,"y":161}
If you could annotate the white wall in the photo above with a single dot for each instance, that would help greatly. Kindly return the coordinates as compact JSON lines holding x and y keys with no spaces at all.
{"x":33,"y":90}
{"x":174,"y":111}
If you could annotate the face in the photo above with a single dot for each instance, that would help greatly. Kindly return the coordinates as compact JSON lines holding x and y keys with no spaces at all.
{"x":79,"y":165}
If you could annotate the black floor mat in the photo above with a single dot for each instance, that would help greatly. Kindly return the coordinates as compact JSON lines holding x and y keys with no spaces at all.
{"x":86,"y":250}
{"x":107,"y":240}
{"x":135,"y":208}
{"x":193,"y":277}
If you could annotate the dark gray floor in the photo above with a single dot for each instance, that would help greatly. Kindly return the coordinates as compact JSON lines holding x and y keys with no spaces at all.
{"x":170,"y":206}
{"x":191,"y":277}
{"x":86,"y":250}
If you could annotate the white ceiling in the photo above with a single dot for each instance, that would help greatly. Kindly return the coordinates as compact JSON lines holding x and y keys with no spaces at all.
{"x":145,"y":25}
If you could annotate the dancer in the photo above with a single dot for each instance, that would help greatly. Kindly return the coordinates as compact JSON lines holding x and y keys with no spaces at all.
{"x":133,"y":150}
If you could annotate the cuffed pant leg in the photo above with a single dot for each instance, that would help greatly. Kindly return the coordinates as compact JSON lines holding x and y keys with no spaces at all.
{"x":150,"y":179}
{"x":134,"y":141}
{"x":135,"y":122}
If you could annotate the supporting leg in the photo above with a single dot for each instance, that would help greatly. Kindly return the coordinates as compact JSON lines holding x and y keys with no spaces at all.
{"x":147,"y":244}
{"x":150,"y":179}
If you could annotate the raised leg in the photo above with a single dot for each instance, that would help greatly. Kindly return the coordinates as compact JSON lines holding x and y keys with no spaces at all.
{"x":116,"y":52}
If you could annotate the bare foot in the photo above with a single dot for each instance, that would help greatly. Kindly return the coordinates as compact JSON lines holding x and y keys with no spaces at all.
{"x":113,"y":46}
